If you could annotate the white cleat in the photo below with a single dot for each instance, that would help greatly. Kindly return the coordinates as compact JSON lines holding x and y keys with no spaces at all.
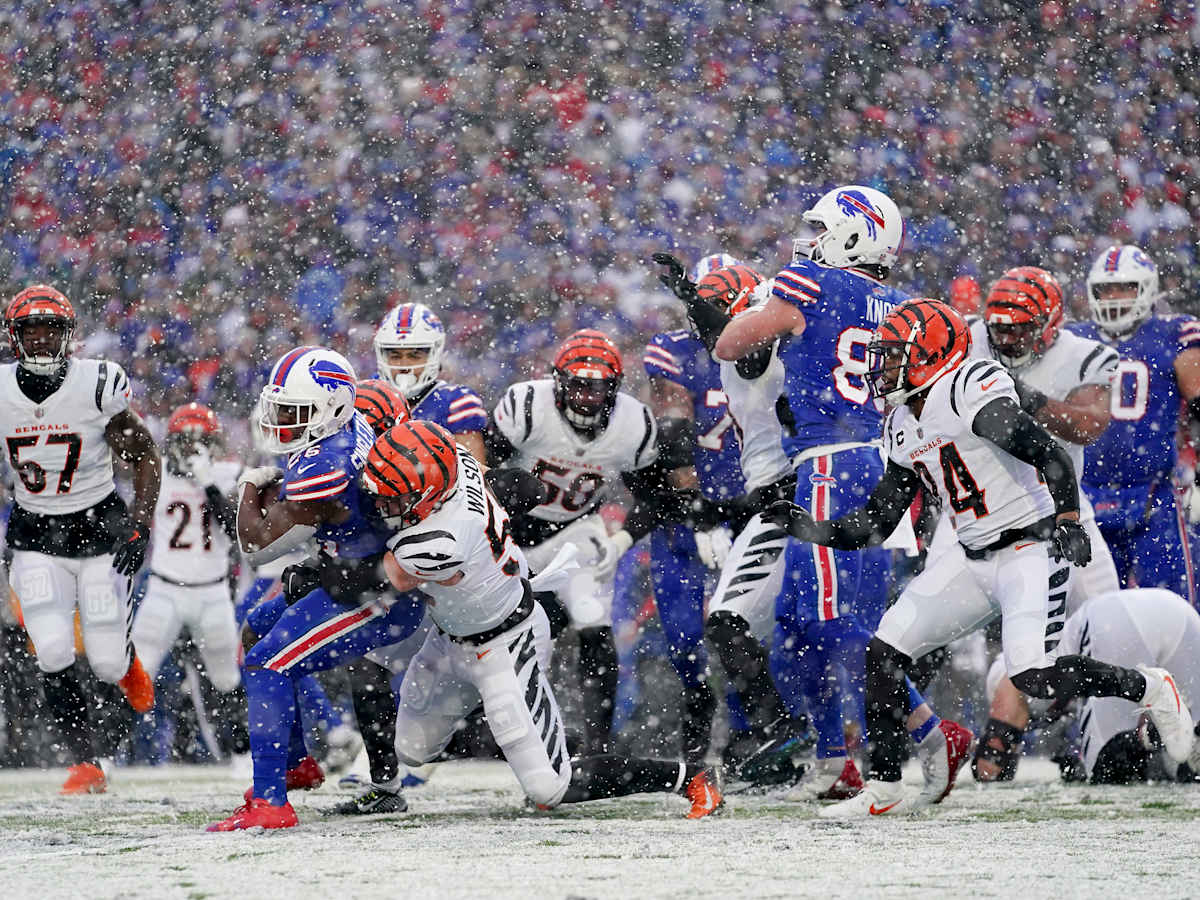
{"x":836,"y":778}
{"x":877,"y":798}
{"x":1169,"y":713}
{"x":943,"y":753}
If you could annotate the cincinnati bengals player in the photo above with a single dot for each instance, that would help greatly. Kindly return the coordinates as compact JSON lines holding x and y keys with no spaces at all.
{"x":958,"y":429}
{"x":491,"y":639}
{"x":75,"y":545}
{"x":192,"y":551}
{"x":576,"y":431}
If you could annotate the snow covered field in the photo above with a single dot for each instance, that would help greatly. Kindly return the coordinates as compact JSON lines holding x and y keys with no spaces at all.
{"x":467,"y":835}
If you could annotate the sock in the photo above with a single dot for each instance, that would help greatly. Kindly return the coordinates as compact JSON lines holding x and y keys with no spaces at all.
{"x":612,"y":775}
{"x":887,"y":708}
{"x":914,"y":696}
{"x":64,"y":697}
{"x":375,"y":710}
{"x":747,"y":667}
{"x":699,"y":705}
{"x":271,"y":699}
{"x":598,"y":671}
{"x":925,"y":728}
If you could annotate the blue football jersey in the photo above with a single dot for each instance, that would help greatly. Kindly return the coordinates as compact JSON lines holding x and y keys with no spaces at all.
{"x":828,"y":395}
{"x":330,"y":470}
{"x":456,"y":408}
{"x":1140,"y":445}
{"x":681,"y":358}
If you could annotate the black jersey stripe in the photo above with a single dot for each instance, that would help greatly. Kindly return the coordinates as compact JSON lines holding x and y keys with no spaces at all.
{"x":637,"y":457}
{"x":422,"y":537}
{"x":1110,"y":357}
{"x":528,"y":413}
{"x":100,"y":384}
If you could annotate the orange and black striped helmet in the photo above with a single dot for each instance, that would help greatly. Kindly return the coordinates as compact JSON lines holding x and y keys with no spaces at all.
{"x":195,"y":419}
{"x":916,"y":344}
{"x":1024,"y":313}
{"x":966,"y":296}
{"x":40,"y":304}
{"x":381,"y":404}
{"x":587,"y":376}
{"x":411,"y":470}
{"x":729,"y":288}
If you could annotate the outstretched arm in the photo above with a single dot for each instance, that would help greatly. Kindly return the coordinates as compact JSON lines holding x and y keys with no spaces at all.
{"x":758,"y":328}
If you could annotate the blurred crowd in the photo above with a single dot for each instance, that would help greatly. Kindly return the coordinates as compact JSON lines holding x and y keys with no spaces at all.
{"x":212,"y":183}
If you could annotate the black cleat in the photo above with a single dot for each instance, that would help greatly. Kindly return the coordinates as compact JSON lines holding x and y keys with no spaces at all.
{"x":375,"y":801}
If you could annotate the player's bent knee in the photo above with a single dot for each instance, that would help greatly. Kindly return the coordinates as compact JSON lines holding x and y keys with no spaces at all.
{"x":55,"y":655}
{"x":109,"y":668}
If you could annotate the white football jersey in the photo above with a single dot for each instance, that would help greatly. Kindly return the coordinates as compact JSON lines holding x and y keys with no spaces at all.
{"x":189,"y":546}
{"x":57,"y":448}
{"x":1071,"y":361}
{"x":752,"y":405}
{"x":984,"y":489}
{"x":573,"y":468}
{"x":467,"y":542}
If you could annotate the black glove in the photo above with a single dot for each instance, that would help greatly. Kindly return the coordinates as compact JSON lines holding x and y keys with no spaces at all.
{"x":299,"y":580}
{"x":675,"y":278}
{"x":1031,"y":399}
{"x":1070,"y":542}
{"x":796,"y":519}
{"x":129,"y":554}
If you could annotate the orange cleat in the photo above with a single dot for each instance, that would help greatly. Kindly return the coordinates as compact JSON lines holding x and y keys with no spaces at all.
{"x":307,"y":775}
{"x":257,"y":813}
{"x":84,"y":778}
{"x":706,"y":790}
{"x":137,"y":687}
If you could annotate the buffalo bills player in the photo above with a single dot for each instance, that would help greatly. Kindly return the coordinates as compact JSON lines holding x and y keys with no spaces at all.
{"x":1128,"y":471}
{"x":823,"y":309}
{"x":342,"y":606}
{"x":687,"y":399}
{"x":409,"y":345}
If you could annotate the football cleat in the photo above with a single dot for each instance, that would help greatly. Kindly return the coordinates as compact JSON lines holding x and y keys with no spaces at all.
{"x":706,"y":790}
{"x":306,"y":775}
{"x":376,"y":800}
{"x":257,"y":813}
{"x":836,"y":778}
{"x":877,"y":798}
{"x":1169,"y":713}
{"x":942,"y":753}
{"x":137,"y":687}
{"x":84,"y":778}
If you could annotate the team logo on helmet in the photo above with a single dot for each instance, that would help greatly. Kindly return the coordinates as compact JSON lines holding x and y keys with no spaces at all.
{"x":329,"y":375}
{"x":855,"y":203}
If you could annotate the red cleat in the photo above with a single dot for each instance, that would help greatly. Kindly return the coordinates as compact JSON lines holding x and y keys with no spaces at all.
{"x":137,"y":687}
{"x":706,"y":791}
{"x":306,"y":776}
{"x":943,"y":752}
{"x":257,"y":813}
{"x":84,"y":778}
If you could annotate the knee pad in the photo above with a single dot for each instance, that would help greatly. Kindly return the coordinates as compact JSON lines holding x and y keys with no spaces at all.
{"x":56,"y":654}
{"x":726,"y":628}
{"x":109,"y":667}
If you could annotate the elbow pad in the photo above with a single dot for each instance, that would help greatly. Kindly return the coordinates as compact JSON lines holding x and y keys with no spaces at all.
{"x":517,"y":490}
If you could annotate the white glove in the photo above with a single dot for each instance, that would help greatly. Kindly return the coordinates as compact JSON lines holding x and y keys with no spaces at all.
{"x":201,"y":466}
{"x":260,"y":476}
{"x":713,"y":546}
{"x":611,"y":550}
{"x":1193,"y":503}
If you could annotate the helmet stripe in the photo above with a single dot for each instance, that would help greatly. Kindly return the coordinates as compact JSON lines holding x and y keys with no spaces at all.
{"x":437,"y":459}
{"x":284,"y":366}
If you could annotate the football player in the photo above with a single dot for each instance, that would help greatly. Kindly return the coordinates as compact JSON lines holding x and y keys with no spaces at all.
{"x":687,"y":399}
{"x":191,"y":554}
{"x":1128,"y":471}
{"x":75,"y":545}
{"x":957,"y":428}
{"x":491,"y":640}
{"x":822,"y":310}
{"x":408,"y":350}
{"x":575,"y":431}
{"x":332,"y":611}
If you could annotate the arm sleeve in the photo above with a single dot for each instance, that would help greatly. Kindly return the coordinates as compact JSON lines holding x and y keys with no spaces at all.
{"x":871,"y":524}
{"x":676,"y":442}
{"x":429,"y":554}
{"x":1014,"y":431}
{"x":517,"y":490}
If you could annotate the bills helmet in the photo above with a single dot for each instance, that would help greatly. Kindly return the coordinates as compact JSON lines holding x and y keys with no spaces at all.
{"x":1122,"y":288}
{"x":862,"y":227}
{"x":309,"y":396}
{"x":408,"y":348}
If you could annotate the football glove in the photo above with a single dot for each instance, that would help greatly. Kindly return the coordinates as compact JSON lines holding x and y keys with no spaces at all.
{"x":1031,"y":399}
{"x":130,"y":553}
{"x":675,"y":278}
{"x":299,"y":580}
{"x":796,"y":519}
{"x":260,"y":476}
{"x":713,"y":546}
{"x":1070,"y":542}
{"x":611,"y":550}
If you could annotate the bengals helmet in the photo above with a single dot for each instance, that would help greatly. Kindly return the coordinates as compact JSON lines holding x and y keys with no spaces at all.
{"x":381,"y":404}
{"x":966,"y":296}
{"x":1024,"y":313}
{"x":411,"y":471}
{"x":729,"y":288}
{"x":191,"y":426}
{"x":916,"y":344}
{"x":40,"y":305}
{"x":587,"y":376}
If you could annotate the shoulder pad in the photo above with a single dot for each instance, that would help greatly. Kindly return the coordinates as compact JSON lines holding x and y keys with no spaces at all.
{"x":977,"y":383}
{"x":464,"y":408}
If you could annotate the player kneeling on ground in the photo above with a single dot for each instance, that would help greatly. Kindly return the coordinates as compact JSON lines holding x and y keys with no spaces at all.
{"x":492,"y":639}
{"x":1014,"y":501}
